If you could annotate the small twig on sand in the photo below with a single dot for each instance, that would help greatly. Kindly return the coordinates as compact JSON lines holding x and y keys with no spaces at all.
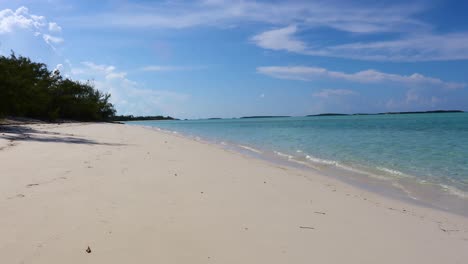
{"x":448,"y":230}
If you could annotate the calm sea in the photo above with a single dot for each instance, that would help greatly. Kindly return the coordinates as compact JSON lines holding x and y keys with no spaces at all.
{"x":425,"y":156}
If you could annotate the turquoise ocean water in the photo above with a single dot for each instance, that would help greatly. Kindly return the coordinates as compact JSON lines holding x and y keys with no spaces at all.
{"x":424,"y":156}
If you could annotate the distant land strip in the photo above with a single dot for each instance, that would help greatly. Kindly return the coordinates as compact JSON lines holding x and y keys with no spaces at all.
{"x":393,"y":113}
{"x":141,"y":118}
{"x":245,"y":117}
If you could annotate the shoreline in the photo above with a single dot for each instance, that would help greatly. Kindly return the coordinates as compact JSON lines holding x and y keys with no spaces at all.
{"x":135,"y":195}
{"x":407,"y":189}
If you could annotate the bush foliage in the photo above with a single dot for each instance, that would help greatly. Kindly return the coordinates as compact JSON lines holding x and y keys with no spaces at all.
{"x":29,"y":89}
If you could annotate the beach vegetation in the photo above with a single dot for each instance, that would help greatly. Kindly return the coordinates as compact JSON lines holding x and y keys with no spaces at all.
{"x":30,"y":89}
{"x":141,"y":118}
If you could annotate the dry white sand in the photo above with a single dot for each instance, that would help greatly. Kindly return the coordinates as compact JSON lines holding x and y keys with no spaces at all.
{"x":139,"y":196}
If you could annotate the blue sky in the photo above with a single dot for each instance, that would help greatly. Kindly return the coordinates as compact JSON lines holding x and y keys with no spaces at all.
{"x":215,"y":58}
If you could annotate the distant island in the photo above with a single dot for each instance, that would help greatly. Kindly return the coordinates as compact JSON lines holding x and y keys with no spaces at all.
{"x":329,"y":114}
{"x":246,"y":117}
{"x":423,"y":112}
{"x":141,"y":118}
{"x":392,"y":113}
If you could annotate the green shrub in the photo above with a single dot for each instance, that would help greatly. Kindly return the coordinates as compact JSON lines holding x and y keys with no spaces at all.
{"x":29,"y":89}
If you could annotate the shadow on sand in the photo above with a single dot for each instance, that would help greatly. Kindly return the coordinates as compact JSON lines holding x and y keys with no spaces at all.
{"x":24,"y":133}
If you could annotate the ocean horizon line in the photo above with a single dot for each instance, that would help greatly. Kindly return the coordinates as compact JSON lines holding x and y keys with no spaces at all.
{"x":316,"y":115}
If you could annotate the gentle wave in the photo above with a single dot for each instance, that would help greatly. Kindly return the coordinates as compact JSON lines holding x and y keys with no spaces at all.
{"x":283,"y":155}
{"x":314,"y":161}
{"x":250,"y":149}
{"x":454,"y":191}
{"x":405,"y":190}
{"x":392,"y":175}
{"x":321,"y":161}
{"x":392,"y":172}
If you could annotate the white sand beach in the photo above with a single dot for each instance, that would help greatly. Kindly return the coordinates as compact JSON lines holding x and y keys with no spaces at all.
{"x":134,"y":195}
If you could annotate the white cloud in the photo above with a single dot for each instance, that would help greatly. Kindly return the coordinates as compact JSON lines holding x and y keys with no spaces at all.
{"x":326,"y":93}
{"x":414,"y":41}
{"x":21,"y":19}
{"x":51,"y":39}
{"x":54,"y":27}
{"x":340,"y":16}
{"x":427,"y":47}
{"x":116,"y":75}
{"x":305,"y":73}
{"x":280,"y":39}
{"x":128,"y":96}
{"x":98,"y":69}
{"x":162,"y":68}
{"x":419,"y":99}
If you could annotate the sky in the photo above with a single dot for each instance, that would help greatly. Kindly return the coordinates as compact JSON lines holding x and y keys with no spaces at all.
{"x":220,"y":58}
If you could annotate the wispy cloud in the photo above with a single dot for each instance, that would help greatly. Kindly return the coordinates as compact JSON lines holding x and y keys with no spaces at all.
{"x":129,"y":97}
{"x":51,"y":39}
{"x":166,"y":68}
{"x":305,"y":73}
{"x":426,"y":47}
{"x":414,"y":40}
{"x":340,"y":16}
{"x":417,"y":99}
{"x":280,"y":39}
{"x":326,"y":93}
{"x":92,"y":69}
{"x":21,"y":19}
{"x":54,"y":27}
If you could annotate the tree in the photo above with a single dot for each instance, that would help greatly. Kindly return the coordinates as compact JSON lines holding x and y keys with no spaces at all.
{"x":29,"y":89}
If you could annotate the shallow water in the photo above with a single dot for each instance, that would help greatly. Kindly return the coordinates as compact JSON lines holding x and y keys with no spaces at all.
{"x":409,"y":151}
